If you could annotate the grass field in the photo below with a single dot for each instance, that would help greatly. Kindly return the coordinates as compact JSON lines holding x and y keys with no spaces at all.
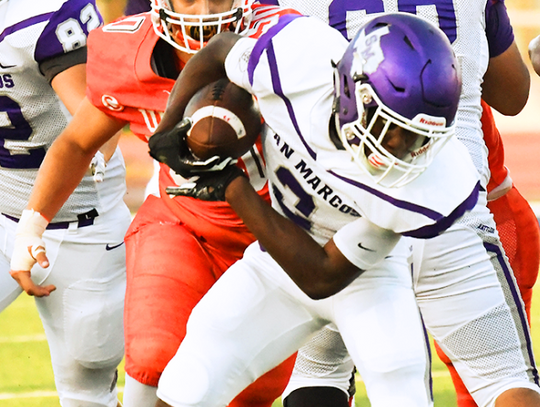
{"x":26,"y":378}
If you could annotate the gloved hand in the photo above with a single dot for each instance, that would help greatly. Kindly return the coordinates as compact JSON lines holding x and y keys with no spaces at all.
{"x":209,"y":186}
{"x":29,"y":248}
{"x":97,"y":167}
{"x":170,"y":147}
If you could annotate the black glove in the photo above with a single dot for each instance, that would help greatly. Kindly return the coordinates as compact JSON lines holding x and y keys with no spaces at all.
{"x":210,"y":186}
{"x":170,"y":147}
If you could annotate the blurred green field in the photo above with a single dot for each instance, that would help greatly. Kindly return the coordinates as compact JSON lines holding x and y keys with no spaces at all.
{"x":26,"y":378}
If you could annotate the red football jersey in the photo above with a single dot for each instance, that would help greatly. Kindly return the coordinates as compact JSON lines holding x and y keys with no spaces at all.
{"x":122,"y":82}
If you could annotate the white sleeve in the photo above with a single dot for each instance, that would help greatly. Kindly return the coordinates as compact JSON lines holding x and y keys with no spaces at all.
{"x":236,"y":63}
{"x":365,"y":244}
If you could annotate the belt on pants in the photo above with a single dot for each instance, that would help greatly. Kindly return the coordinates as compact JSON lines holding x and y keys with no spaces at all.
{"x":84,"y":219}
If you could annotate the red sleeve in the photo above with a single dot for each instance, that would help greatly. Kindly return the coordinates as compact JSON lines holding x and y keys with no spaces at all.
{"x":494,"y":143}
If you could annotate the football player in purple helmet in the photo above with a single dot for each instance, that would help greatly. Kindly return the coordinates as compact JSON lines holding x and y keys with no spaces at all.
{"x":335,"y":215}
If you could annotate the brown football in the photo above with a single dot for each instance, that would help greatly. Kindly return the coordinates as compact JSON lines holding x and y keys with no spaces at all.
{"x":226,"y":121}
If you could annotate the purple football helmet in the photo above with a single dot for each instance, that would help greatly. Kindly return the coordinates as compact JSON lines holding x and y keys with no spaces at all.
{"x":398,"y":70}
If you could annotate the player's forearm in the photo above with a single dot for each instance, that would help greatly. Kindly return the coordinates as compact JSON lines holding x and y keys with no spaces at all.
{"x":62,"y":170}
{"x":318,"y":271}
{"x":69,"y":158}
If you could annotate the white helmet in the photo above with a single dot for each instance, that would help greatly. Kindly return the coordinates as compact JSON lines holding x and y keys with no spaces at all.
{"x":196,"y":30}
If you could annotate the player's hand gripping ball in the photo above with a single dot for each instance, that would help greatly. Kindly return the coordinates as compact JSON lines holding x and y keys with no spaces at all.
{"x":225,"y":121}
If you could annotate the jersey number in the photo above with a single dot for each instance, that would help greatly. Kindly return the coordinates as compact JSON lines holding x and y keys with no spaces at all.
{"x":70,"y":33}
{"x":440,"y":12}
{"x":305,"y":204}
{"x":15,"y":128}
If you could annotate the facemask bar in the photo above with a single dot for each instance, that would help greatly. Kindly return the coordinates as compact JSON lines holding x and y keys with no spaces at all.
{"x":384,"y":168}
{"x":196,"y":30}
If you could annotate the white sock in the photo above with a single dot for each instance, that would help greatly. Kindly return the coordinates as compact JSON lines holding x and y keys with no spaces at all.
{"x":137,"y":394}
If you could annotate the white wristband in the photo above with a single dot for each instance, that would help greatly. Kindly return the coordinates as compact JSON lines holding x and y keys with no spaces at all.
{"x":28,"y":241}
{"x":365,"y":244}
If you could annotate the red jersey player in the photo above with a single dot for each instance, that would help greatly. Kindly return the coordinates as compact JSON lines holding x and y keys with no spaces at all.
{"x":176,"y":247}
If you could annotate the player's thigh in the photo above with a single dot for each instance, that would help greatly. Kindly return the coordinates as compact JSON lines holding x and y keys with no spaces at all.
{"x":168,"y":272}
{"x":452,"y":272}
{"x":379,"y":321}
{"x":9,"y":289}
{"x":243,"y":327}
{"x":85,"y":313}
{"x":465,"y":308}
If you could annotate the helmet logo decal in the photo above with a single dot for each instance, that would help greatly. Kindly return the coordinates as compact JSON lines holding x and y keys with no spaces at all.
{"x":369,"y":52}
{"x":420,"y":151}
{"x":430,"y":120}
{"x":111,"y":103}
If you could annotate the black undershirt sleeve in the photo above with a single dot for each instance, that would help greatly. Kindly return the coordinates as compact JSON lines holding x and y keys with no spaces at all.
{"x":53,"y":66}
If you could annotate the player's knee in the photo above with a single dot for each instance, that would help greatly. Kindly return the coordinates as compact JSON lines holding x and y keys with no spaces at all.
{"x":148,"y":354}
{"x":519,"y":397}
{"x":93,"y":322}
{"x":84,"y":387}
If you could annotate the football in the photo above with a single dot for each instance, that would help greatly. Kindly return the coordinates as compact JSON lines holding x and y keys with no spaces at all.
{"x":225,"y":121}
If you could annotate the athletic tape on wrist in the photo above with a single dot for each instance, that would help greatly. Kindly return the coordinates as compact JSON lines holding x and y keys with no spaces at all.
{"x":28,"y":241}
{"x":32,"y":223}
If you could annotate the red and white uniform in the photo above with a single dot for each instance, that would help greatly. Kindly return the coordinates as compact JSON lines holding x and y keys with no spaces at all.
{"x":177,"y":247}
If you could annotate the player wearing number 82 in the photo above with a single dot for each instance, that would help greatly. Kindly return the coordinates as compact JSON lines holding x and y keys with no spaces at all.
{"x":176,"y":247}
{"x":43,"y":70}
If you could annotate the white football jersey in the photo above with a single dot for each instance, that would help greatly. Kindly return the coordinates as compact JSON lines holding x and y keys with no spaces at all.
{"x":312,"y":182}
{"x":468,"y":40}
{"x":31,"y":114}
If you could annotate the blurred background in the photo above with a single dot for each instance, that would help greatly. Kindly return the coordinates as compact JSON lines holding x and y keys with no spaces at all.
{"x":521,"y":133}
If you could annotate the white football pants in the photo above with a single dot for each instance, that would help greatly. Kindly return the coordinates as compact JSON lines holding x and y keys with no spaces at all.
{"x":83,"y":318}
{"x":469,"y":302}
{"x":255,"y":317}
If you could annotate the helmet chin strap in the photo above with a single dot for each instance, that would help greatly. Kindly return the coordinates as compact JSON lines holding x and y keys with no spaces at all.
{"x":333,"y":132}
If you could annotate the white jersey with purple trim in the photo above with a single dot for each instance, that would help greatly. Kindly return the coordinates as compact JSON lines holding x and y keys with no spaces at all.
{"x":31,"y":114}
{"x":312,"y":182}
{"x":464,"y":24}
